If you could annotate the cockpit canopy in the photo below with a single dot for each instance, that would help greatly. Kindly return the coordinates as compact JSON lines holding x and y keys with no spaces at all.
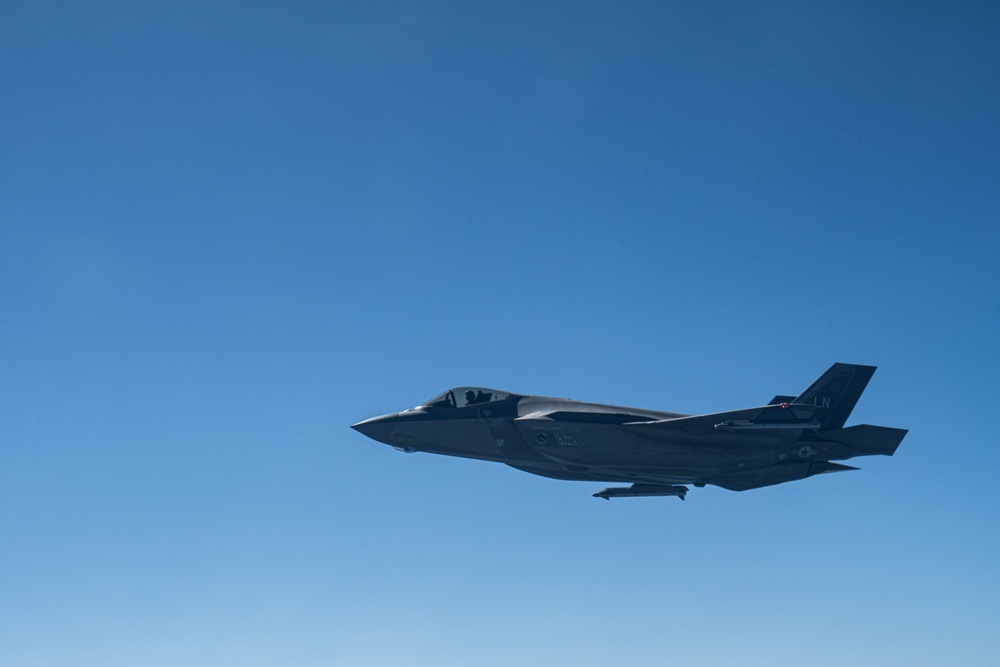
{"x":465,"y":396}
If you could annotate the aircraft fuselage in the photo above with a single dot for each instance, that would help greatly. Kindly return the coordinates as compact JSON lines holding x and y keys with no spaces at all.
{"x":653,"y":450}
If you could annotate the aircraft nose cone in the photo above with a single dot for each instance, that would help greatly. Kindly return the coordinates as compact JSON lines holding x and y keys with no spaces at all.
{"x":376,"y":428}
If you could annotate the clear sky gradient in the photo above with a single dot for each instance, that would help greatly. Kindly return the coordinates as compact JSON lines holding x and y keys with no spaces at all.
{"x":230,"y":230}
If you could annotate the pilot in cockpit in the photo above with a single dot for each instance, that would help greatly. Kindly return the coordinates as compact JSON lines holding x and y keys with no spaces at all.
{"x":475,"y":397}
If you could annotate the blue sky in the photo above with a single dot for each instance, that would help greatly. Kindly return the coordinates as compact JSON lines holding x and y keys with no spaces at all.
{"x":227,"y":233}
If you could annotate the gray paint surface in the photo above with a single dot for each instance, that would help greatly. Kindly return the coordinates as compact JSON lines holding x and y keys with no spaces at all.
{"x":656,"y":452}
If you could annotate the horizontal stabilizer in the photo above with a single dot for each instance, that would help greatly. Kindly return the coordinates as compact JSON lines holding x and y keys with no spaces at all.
{"x":778,"y":400}
{"x":865,"y":440}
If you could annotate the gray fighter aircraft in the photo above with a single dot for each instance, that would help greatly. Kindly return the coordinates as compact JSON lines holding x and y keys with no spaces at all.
{"x":789,"y":438}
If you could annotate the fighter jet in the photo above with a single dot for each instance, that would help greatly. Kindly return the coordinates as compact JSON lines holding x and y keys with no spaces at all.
{"x":656,"y":453}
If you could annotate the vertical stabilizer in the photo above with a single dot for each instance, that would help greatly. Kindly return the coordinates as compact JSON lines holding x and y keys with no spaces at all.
{"x":836,"y":392}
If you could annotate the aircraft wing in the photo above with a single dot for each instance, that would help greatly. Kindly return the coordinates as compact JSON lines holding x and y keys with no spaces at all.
{"x":791,"y":416}
{"x":777,"y":474}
